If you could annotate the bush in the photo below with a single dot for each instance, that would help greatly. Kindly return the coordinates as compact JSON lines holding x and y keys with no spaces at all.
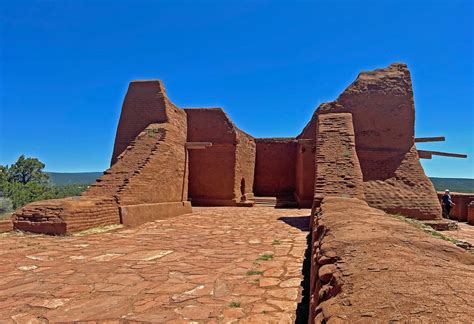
{"x":25,"y":182}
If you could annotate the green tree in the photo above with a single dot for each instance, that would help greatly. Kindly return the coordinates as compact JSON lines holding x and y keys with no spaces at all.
{"x":25,"y":182}
{"x":27,"y":170}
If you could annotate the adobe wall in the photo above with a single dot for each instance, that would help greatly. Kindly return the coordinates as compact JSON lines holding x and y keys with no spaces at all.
{"x":147,"y":181}
{"x":215,"y":173}
{"x":470,"y":213}
{"x":306,"y":164}
{"x":338,"y":171}
{"x":62,"y":216}
{"x":144,"y":104}
{"x":362,"y":257}
{"x":305,"y":171}
{"x":275,"y":167}
{"x":153,"y":169}
{"x":382,"y":108}
{"x":461,"y":202}
{"x":6,"y":225}
{"x":246,"y":151}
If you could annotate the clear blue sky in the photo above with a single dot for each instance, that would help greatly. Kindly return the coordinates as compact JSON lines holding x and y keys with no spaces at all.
{"x":65,"y":67}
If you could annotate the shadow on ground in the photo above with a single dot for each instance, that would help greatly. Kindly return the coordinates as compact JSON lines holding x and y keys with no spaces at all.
{"x":299,"y":222}
{"x":302,"y":223}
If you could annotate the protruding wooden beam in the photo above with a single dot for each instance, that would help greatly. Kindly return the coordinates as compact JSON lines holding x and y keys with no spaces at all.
{"x":429,"y":139}
{"x":428,"y":154}
{"x":197,"y":145}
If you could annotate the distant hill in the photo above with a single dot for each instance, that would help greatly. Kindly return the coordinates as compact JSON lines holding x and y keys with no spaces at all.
{"x":60,"y":179}
{"x":453,"y":184}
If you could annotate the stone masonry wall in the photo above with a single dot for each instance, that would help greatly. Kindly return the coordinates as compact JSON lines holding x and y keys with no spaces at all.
{"x":6,"y":225}
{"x":470,"y":213}
{"x":382,"y":108}
{"x":275,"y":167}
{"x":215,"y":173}
{"x":338,"y":171}
{"x":244,"y":166}
{"x":305,"y":171}
{"x":62,"y":216}
{"x":147,"y":181}
{"x":144,"y":104}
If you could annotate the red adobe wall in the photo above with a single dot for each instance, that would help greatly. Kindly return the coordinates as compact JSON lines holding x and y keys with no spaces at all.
{"x":362,"y":258}
{"x":470,"y":213}
{"x":305,"y":171}
{"x":461,"y":202}
{"x":382,"y":108}
{"x":6,"y":225}
{"x":338,"y":171}
{"x":62,"y":216}
{"x":150,"y":181}
{"x":275,"y":167}
{"x":246,"y":151}
{"x":216,"y":172}
{"x":144,"y":104}
{"x":306,"y":164}
{"x":147,"y":181}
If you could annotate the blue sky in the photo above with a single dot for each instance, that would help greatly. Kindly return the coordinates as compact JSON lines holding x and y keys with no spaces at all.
{"x":65,"y":67}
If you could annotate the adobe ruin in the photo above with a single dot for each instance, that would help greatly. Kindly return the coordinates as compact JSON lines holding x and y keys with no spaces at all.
{"x":165,"y":159}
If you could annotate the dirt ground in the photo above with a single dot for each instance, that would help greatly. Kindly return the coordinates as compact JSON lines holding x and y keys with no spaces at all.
{"x":216,"y":265}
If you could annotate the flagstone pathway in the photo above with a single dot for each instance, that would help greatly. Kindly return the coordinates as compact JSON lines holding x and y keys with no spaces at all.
{"x":217,"y":265}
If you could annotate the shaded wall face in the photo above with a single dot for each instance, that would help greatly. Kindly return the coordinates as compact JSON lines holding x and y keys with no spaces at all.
{"x":211,"y":172}
{"x":305,"y":173}
{"x":384,"y":129}
{"x":275,"y":167}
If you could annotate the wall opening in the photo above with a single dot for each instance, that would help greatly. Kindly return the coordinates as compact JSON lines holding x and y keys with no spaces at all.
{"x":242,"y":188}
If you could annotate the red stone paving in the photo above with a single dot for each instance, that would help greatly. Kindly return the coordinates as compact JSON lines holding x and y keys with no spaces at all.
{"x":207,"y":266}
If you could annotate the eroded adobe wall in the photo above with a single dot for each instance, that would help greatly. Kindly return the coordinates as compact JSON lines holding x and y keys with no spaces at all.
{"x":144,"y":104}
{"x":215,"y":172}
{"x":6,"y":225}
{"x":362,"y":257}
{"x":275,"y":167}
{"x":163,"y":178}
{"x":62,"y":216}
{"x":150,"y":180}
{"x":306,"y":164}
{"x":382,"y":108}
{"x":147,"y":181}
{"x":246,"y":151}
{"x":305,"y":171}
{"x":338,"y":171}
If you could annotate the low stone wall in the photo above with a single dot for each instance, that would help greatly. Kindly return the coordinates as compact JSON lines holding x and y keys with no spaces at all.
{"x":63,"y":216}
{"x":6,"y":225}
{"x":470,"y":213}
{"x":368,"y":266}
{"x":461,"y":201}
{"x":138,"y":214}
